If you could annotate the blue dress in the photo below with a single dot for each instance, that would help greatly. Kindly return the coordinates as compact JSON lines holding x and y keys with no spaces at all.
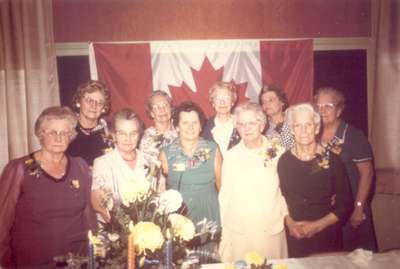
{"x":194,"y":178}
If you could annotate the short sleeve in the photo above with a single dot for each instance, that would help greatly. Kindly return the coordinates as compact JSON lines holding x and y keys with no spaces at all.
{"x":102,"y":174}
{"x":359,"y":146}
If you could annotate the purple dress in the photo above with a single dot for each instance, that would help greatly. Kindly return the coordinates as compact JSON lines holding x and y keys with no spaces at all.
{"x":42,"y":217}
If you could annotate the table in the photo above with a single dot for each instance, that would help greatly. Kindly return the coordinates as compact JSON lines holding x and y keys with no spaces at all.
{"x":390,"y":260}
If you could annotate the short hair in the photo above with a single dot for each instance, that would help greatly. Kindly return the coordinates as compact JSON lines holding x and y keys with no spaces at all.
{"x":250,"y":106}
{"x":90,"y":87}
{"x":56,"y":113}
{"x":301,"y":107}
{"x":335,"y":93}
{"x":230,"y":86}
{"x":149,"y":102}
{"x":126,"y":114}
{"x":188,"y":106}
{"x":278,"y":92}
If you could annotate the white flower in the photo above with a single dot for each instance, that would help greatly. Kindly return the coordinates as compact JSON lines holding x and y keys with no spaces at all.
{"x":182,"y":227}
{"x":170,"y":201}
{"x":134,"y":190}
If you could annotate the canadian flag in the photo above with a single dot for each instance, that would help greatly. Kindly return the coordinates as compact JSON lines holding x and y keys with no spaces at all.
{"x":187,"y":69}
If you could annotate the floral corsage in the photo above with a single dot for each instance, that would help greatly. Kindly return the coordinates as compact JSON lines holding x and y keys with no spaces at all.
{"x":33,"y":167}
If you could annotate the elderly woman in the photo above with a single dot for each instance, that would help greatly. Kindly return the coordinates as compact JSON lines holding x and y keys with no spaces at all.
{"x":159,"y":107}
{"x":355,"y":151}
{"x":274,"y":103}
{"x":220,"y":128}
{"x":252,"y":206}
{"x":193,"y":166}
{"x":125,"y":162}
{"x":91,"y":101}
{"x":45,"y":198}
{"x":315,"y":186}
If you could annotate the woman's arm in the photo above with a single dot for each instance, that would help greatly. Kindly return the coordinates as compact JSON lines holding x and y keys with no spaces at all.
{"x":101,"y":190}
{"x":164,"y":163}
{"x":10,"y":182}
{"x":217,"y":168}
{"x":310,"y":228}
{"x":365,"y":170}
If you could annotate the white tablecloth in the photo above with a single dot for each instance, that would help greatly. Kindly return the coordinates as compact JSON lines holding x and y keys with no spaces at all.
{"x":379,"y":261}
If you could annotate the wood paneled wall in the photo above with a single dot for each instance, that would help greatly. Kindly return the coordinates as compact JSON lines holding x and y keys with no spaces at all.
{"x":143,"y":20}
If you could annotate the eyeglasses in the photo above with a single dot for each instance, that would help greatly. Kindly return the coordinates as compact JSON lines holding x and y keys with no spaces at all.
{"x":55,"y":134}
{"x":93,"y":102}
{"x":328,"y":106}
{"x":160,"y":106}
{"x":124,"y":135}
{"x":251,"y":124}
{"x":222,"y":99}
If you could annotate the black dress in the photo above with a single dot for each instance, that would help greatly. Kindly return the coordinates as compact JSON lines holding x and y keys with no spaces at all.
{"x":308,"y":187}
{"x":90,"y":144}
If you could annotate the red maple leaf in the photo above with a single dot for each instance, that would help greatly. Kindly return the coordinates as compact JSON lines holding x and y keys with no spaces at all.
{"x":204,"y":79}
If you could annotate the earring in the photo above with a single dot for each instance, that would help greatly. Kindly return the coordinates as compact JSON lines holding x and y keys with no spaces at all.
{"x":78,"y":105}
{"x":103,"y":111}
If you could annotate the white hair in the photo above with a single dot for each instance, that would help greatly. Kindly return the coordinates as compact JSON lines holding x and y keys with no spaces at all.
{"x":302,"y":107}
{"x":250,"y":106}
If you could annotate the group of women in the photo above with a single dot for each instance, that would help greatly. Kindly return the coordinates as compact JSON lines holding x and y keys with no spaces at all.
{"x":281,"y":183}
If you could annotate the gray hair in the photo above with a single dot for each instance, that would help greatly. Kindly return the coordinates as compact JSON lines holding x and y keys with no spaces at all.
{"x":302,"y":107}
{"x":149,"y":102}
{"x":127,"y":114}
{"x":251,"y":106}
{"x":335,"y":93}
{"x":56,"y":113}
{"x":230,"y":86}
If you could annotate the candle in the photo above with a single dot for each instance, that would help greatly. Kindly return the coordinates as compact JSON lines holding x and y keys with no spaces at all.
{"x":168,"y":254}
{"x":91,"y":261}
{"x":131,"y":248}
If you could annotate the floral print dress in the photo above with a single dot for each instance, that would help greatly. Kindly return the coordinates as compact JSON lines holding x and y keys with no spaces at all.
{"x":194,"y":177}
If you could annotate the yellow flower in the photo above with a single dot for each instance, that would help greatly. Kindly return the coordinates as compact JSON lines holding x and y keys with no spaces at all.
{"x":182,"y":227}
{"x":280,"y":266}
{"x":147,"y":236}
{"x":253,"y":258}
{"x":229,"y":266}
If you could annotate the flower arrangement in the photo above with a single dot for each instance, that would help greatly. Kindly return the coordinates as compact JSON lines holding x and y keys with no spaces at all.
{"x":156,"y":219}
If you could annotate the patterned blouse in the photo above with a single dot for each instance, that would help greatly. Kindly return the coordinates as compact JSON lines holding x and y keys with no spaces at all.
{"x":153,"y":141}
{"x":281,"y":131}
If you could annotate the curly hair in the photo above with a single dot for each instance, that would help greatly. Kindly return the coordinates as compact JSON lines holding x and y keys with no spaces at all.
{"x":149,"y":102}
{"x":188,"y":106}
{"x":278,"y":92}
{"x":56,"y":113}
{"x":230,"y":86}
{"x":90,"y":87}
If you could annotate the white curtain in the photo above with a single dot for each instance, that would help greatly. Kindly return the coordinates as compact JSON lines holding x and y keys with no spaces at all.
{"x":386,"y":108}
{"x":28,"y":73}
